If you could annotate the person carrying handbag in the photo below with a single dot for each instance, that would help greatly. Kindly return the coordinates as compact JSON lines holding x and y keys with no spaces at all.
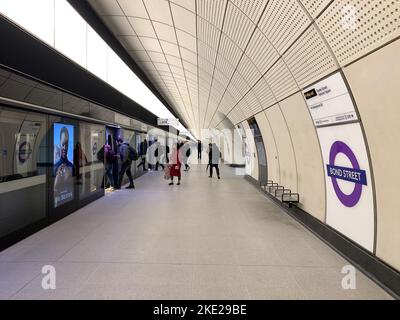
{"x":175,"y":165}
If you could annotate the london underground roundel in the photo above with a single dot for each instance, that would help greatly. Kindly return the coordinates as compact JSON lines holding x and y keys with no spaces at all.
{"x":353,"y":174}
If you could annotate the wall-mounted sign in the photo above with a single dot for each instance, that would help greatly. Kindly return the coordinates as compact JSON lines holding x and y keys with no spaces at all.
{"x":168,"y":122}
{"x":349,"y":194}
{"x":329,"y":101}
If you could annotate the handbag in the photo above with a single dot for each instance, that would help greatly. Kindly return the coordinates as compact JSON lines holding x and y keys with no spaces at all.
{"x":167,"y":172}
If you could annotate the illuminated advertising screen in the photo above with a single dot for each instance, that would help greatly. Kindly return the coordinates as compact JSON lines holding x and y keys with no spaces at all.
{"x":63,"y":163}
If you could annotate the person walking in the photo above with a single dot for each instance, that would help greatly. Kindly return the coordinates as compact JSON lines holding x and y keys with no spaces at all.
{"x":158,"y":152}
{"x":175,"y":165}
{"x":187,"y":152}
{"x":213,"y":159}
{"x":143,"y":153}
{"x":110,"y":157}
{"x":199,"y":149}
{"x":126,"y":153}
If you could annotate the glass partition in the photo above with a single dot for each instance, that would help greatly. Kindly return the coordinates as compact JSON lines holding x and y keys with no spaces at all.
{"x":23,"y":161}
{"x":89,"y":166}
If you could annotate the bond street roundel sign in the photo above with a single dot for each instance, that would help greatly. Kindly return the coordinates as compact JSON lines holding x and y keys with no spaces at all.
{"x":24,"y":152}
{"x":354,"y":174}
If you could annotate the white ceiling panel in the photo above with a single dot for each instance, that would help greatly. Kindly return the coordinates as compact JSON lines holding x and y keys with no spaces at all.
{"x":119,"y":25}
{"x":186,"y":40}
{"x":159,"y":10}
{"x":184,"y":19}
{"x":132,"y":8}
{"x":187,"y":4}
{"x":142,"y":27}
{"x":215,"y":60}
{"x":164,"y":31}
{"x":151,"y":44}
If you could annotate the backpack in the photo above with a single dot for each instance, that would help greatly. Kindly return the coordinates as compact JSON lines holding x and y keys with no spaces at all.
{"x":108,"y":154}
{"x":100,"y":154}
{"x":133,"y":155}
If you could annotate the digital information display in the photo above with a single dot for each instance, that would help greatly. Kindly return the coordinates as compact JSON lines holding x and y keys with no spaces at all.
{"x":329,"y":102}
{"x":63,"y":163}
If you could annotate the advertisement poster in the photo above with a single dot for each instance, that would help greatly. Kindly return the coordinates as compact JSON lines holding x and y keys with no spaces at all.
{"x":25,"y":145}
{"x":350,"y":205}
{"x":63,"y":163}
{"x":329,"y":102}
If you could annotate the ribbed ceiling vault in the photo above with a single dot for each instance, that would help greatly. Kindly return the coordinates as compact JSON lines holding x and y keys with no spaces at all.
{"x":213,"y":59}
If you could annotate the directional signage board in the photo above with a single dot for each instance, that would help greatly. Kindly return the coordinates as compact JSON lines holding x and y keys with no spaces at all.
{"x":329,"y":102}
{"x":167,"y":122}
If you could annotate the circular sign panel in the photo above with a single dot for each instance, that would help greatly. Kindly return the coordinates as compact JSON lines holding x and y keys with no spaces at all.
{"x":354,"y":174}
{"x":24,"y":152}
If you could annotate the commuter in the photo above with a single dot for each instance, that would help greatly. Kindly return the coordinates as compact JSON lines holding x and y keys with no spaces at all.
{"x":157,"y":154}
{"x":199,"y":149}
{"x":187,"y":154}
{"x":110,"y":157}
{"x":213,"y":159}
{"x":143,"y":153}
{"x":175,"y":165}
{"x":127,"y":155}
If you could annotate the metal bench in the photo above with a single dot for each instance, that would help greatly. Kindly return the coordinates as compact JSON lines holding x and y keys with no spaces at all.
{"x":280,"y":192}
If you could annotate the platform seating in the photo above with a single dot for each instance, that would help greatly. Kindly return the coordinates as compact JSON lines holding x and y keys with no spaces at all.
{"x":280,"y":192}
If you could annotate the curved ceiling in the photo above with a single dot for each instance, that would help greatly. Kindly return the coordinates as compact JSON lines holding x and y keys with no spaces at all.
{"x":213,"y":59}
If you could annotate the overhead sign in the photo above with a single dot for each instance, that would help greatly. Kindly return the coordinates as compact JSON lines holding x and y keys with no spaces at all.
{"x":349,"y":194}
{"x":329,"y":102}
{"x":168,"y":122}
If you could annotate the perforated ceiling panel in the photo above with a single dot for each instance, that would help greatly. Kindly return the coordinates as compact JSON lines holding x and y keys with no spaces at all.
{"x":309,"y":58}
{"x":315,"y":7}
{"x":215,"y":60}
{"x":283,"y":22}
{"x":355,"y":27}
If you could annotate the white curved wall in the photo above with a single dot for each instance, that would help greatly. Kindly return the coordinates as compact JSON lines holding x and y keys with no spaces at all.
{"x":310,"y":172}
{"x":287,"y":161}
{"x":375,"y":82}
{"x":270,"y":147}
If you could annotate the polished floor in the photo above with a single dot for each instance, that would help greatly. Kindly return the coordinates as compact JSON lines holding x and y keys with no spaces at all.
{"x":204,"y":239}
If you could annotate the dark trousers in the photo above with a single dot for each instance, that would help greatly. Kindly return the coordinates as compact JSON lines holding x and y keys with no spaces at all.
{"x":108,"y":175}
{"x":142,"y":163}
{"x":198,"y":154}
{"x":159,"y":164}
{"x":216,"y":166}
{"x":125,"y":167}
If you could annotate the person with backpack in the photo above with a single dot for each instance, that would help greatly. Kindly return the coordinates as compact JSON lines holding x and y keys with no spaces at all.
{"x":110,"y":158}
{"x":127,"y":155}
{"x":213,"y":159}
{"x":143,"y":152}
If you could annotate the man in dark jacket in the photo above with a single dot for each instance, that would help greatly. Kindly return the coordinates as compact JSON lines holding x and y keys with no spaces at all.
{"x":143,"y":152}
{"x":213,"y":159}
{"x":126,"y":162}
{"x":199,"y":149}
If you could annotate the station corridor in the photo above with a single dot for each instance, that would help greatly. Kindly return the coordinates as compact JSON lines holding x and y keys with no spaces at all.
{"x":204,"y":239}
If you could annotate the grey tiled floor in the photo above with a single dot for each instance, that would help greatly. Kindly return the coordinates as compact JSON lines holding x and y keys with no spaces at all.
{"x":205,"y":239}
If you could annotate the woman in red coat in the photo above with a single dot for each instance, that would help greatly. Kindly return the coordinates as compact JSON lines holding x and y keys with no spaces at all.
{"x":175,"y":165}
